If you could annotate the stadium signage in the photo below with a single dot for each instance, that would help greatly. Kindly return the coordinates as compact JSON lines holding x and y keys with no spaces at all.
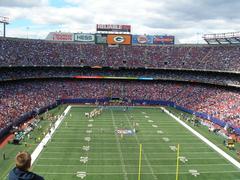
{"x":119,"y":39}
{"x":100,"y":38}
{"x":163,"y":40}
{"x":142,"y":39}
{"x":84,"y":37}
{"x":113,"y":28}
{"x":62,"y":36}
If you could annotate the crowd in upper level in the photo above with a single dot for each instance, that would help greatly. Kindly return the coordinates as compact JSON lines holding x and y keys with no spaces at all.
{"x":21,"y":97}
{"x":16,"y":52}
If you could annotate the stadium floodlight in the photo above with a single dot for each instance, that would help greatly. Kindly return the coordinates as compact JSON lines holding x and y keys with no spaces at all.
{"x":4,"y":20}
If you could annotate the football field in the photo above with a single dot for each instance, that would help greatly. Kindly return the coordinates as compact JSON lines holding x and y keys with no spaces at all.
{"x":91,"y":149}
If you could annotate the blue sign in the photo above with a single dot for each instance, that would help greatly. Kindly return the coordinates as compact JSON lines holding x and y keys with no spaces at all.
{"x":142,"y":39}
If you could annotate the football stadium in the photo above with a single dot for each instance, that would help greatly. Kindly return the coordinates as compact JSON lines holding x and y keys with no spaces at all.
{"x":115,"y":104}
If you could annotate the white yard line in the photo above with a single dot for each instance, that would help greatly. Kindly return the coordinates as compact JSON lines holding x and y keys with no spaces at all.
{"x":119,"y":148}
{"x":105,"y":173}
{"x":109,"y":138}
{"x":133,"y":159}
{"x":145,"y":157}
{"x":112,"y":148}
{"x":149,"y":135}
{"x":209,"y":143}
{"x":189,"y":152}
{"x":154,"y":143}
{"x":45,"y":140}
{"x":114,"y":165}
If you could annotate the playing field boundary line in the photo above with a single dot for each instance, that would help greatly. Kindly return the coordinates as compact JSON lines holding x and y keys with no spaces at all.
{"x":209,"y":143}
{"x":119,"y":149}
{"x":45,"y":140}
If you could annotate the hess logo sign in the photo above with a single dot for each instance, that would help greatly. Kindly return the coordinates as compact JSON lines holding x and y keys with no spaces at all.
{"x":119,"y":39}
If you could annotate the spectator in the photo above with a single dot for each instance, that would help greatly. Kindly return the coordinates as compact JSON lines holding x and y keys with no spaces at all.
{"x":21,"y":171}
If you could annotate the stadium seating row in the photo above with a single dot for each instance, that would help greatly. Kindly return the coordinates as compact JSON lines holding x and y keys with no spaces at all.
{"x":21,"y":97}
{"x":57,"y":72}
{"x":16,"y":52}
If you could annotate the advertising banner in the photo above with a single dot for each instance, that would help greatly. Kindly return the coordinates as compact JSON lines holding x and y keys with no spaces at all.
{"x":113,"y":28}
{"x":164,"y":40}
{"x":142,"y":39}
{"x":59,"y":36}
{"x":84,"y":37}
{"x":101,"y":38}
{"x":119,"y":39}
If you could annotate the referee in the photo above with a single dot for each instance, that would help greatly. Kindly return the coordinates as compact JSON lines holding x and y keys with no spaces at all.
{"x":4,"y":156}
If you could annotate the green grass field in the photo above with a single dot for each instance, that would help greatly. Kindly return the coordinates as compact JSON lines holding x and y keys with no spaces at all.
{"x":112,"y":157}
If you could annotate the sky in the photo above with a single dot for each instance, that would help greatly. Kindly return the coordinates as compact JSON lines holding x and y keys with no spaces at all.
{"x":188,"y":20}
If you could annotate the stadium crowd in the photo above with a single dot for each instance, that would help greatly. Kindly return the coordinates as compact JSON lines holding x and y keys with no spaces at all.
{"x":12,"y":73}
{"x":17,"y":98}
{"x":16,"y":52}
{"x":24,"y":59}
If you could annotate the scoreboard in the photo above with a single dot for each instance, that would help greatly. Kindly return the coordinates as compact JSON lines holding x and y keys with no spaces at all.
{"x":114,"y":28}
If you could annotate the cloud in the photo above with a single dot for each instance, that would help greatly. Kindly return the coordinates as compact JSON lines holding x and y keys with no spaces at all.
{"x":183,"y":18}
{"x":200,"y":10}
{"x":33,"y":33}
{"x":61,"y":16}
{"x":23,"y":3}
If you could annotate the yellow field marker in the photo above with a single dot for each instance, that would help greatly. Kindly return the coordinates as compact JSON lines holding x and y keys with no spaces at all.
{"x":177,"y":169}
{"x":140,"y":162}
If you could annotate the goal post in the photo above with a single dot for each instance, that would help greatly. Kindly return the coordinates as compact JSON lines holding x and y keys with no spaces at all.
{"x":177,"y":167}
{"x":140,"y":162}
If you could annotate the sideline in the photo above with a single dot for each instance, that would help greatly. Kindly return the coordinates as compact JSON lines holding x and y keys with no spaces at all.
{"x":45,"y":140}
{"x":209,"y":143}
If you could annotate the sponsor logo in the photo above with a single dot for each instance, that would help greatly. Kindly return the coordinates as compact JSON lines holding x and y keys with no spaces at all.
{"x":119,"y":39}
{"x":163,"y":40}
{"x":84,"y":37}
{"x":62,"y":37}
{"x":142,"y":39}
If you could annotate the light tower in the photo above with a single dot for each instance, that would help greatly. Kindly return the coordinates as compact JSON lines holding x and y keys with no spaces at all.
{"x":4,"y":20}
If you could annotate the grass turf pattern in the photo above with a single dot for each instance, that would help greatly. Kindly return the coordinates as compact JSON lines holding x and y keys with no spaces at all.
{"x":112,"y":157}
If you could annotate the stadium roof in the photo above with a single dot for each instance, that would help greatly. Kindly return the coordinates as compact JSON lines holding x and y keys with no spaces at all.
{"x":223,"y":38}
